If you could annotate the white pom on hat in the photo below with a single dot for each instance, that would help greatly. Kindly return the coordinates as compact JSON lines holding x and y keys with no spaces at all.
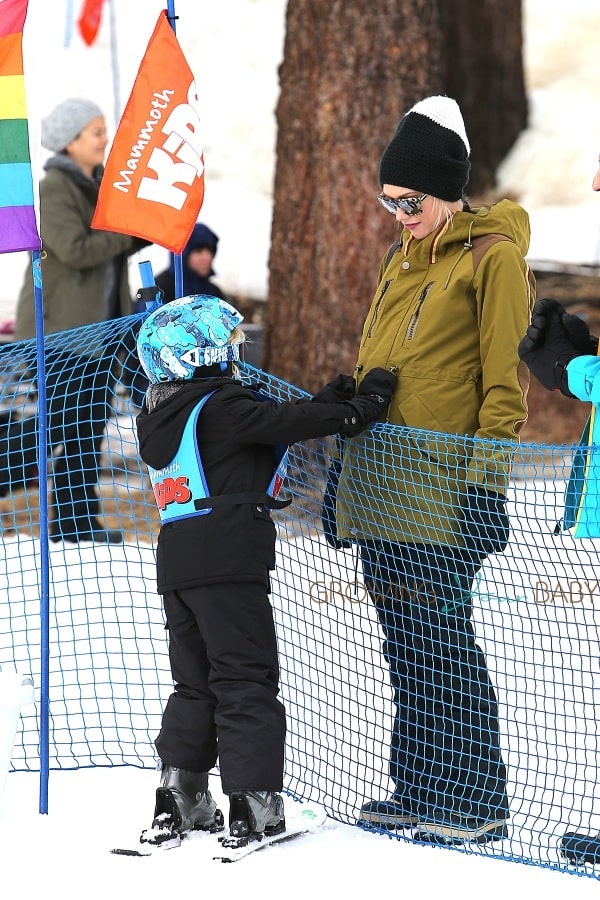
{"x":445,"y":112}
{"x":66,"y":121}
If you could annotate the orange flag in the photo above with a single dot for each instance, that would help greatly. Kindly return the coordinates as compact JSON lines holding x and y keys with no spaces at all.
{"x":89,"y":20}
{"x":153,"y":184}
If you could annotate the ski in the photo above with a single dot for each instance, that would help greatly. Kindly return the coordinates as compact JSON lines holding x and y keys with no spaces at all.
{"x":301,"y":818}
{"x":162,"y":843}
{"x":130,"y":851}
{"x":152,"y":849}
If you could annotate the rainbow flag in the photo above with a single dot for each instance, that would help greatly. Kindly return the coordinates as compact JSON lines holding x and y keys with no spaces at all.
{"x":18,"y":219}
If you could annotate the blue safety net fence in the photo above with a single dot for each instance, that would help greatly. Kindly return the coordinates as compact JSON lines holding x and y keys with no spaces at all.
{"x":466,"y":690}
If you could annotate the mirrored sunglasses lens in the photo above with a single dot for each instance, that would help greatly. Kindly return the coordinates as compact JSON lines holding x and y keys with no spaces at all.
{"x":410,"y":205}
{"x":387,"y":203}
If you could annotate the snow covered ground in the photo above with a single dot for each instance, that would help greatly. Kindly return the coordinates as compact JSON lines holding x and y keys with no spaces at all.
{"x":551,"y":167}
{"x":65,"y":855}
{"x":545,"y":654}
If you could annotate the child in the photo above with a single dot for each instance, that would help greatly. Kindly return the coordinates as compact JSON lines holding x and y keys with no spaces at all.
{"x":209,"y":444}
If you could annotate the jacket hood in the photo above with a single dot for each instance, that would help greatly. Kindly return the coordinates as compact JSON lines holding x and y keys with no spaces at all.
{"x":64,"y":162}
{"x":506,"y":218}
{"x":159,"y":432}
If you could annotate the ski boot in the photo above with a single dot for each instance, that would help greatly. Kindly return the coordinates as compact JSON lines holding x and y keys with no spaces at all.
{"x":183,"y":804}
{"x":252,"y":815}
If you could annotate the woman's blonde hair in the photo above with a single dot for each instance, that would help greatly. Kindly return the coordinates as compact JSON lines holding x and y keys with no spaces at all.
{"x":440,"y":207}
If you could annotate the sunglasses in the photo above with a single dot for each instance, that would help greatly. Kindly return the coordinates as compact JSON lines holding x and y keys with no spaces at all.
{"x":412,"y":206}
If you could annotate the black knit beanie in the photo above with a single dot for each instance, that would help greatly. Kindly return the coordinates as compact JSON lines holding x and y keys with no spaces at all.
{"x":429,"y":151}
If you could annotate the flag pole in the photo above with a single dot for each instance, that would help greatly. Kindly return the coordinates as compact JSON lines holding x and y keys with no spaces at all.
{"x":114,"y":61}
{"x":27,"y":213}
{"x":177,"y":259}
{"x":69,"y":24}
{"x":44,"y":545}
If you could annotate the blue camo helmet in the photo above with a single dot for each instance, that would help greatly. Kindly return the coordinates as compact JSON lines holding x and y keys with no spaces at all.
{"x":182,"y":336}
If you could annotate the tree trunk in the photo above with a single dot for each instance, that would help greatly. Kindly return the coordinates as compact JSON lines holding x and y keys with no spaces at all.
{"x":484,"y":72}
{"x":351,"y":69}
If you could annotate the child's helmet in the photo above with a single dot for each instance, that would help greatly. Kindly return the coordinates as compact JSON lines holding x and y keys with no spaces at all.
{"x":180,"y":337}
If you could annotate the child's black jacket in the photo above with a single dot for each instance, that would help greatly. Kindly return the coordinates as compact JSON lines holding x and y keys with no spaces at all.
{"x":236,"y":435}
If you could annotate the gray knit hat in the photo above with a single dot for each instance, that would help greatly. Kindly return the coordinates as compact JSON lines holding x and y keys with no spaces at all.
{"x":429,"y":151}
{"x":66,"y":121}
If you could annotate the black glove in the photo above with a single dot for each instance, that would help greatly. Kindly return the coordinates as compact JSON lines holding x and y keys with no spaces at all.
{"x":485,"y":523}
{"x":548,"y":347}
{"x":371,"y":400}
{"x":535,"y":334}
{"x":328,"y":517}
{"x":343,"y":387}
{"x":582,"y":340}
{"x":576,"y":328}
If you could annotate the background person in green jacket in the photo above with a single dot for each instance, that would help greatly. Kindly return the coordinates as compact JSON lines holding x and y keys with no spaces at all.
{"x":84,"y":274}
{"x":428,"y":506}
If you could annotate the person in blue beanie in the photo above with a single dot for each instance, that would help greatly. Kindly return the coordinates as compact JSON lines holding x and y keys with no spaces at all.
{"x":197,"y":259}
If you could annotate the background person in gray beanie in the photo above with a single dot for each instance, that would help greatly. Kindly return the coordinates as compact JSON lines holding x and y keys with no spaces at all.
{"x":84,"y":275}
{"x":453,"y":299}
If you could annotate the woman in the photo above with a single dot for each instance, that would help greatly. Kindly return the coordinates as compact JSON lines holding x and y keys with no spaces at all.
{"x":84,"y":274}
{"x":426,"y":509}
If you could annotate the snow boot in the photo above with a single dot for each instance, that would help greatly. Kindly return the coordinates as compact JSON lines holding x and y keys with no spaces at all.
{"x":455,"y":830}
{"x":580,"y":848}
{"x":391,"y":814}
{"x":255,"y":813}
{"x":183,"y":804}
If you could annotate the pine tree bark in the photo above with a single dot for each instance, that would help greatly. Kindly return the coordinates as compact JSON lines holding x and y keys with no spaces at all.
{"x":484,"y":72}
{"x":351,"y":68}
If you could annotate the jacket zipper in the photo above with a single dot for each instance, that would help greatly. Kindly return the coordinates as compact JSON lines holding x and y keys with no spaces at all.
{"x":376,"y":310}
{"x":412,"y":325}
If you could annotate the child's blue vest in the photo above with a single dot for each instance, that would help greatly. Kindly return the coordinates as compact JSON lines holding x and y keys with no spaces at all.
{"x":180,"y":488}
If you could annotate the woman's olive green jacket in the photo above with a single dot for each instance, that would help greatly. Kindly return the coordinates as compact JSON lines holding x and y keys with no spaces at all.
{"x":447,"y":317}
